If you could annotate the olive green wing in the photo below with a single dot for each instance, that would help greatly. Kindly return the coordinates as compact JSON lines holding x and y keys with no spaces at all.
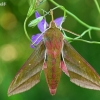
{"x":80,"y":71}
{"x":29,"y":74}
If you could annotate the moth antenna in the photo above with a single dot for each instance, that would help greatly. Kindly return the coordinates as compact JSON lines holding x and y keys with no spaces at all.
{"x":70,"y":32}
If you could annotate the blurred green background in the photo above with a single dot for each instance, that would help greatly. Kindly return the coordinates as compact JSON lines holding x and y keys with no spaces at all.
{"x":15,"y":48}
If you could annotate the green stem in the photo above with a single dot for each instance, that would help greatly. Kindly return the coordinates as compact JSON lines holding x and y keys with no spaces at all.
{"x":97,"y":5}
{"x":25,"y":29}
{"x":88,"y":30}
{"x":95,"y":42}
{"x":69,"y":39}
{"x":75,"y":17}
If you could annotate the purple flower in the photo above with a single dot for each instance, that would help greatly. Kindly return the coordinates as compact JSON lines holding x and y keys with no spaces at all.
{"x":42,"y":26}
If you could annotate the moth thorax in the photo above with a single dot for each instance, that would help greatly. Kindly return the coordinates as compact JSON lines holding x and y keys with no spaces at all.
{"x":53,"y":24}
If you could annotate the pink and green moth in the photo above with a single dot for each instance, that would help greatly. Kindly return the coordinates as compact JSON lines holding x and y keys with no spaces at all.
{"x":53,"y":54}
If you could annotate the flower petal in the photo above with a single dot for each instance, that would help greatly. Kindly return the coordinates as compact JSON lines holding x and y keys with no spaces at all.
{"x":58,"y":21}
{"x":42,"y":25}
{"x":37,"y":14}
{"x":36,"y":39}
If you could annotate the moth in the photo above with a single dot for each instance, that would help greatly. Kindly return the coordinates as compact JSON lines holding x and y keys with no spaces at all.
{"x":53,"y":55}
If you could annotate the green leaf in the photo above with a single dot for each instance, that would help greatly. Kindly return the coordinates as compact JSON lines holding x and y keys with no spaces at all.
{"x":31,"y":8}
{"x":34,"y":4}
{"x":34,"y":22}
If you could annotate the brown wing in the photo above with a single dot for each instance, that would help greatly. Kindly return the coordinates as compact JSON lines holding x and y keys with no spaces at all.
{"x":80,"y":72}
{"x":29,"y":74}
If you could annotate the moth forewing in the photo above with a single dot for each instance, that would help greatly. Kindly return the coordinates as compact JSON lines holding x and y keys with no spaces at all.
{"x":80,"y":71}
{"x":29,"y":74}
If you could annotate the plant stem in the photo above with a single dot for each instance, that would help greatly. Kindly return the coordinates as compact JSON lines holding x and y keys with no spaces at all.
{"x":92,"y":42}
{"x":25,"y":29}
{"x":75,"y":17}
{"x":97,"y":5}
